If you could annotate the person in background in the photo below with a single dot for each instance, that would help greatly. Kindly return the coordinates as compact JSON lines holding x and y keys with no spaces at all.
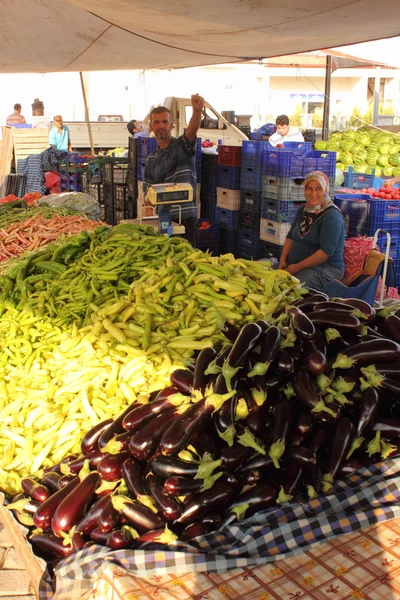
{"x":59,"y":136}
{"x":174,"y":159}
{"x":313,"y":249}
{"x":16,"y":118}
{"x":137,"y":129}
{"x":285,"y":133}
{"x":392,"y":180}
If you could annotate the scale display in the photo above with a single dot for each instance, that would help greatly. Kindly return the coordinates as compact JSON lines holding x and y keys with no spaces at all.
{"x":168,"y":193}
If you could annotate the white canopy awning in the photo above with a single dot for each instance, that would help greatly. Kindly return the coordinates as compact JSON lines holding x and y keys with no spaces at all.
{"x":89,"y":35}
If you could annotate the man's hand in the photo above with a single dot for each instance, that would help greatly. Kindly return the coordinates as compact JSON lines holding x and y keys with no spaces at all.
{"x":197,"y":102}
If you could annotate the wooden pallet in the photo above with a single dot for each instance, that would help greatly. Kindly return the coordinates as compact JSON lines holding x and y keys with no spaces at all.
{"x":29,"y":141}
{"x":12,"y":534}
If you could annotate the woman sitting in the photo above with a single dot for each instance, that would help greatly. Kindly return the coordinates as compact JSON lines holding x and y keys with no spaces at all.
{"x":313,"y":249}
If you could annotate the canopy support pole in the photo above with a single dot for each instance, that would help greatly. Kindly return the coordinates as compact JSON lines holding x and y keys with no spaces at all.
{"x":375,"y":114}
{"x":327,"y":99}
{"x":86,"y":112}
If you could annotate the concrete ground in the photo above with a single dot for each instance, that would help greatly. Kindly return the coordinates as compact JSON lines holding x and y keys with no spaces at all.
{"x":14,"y":580}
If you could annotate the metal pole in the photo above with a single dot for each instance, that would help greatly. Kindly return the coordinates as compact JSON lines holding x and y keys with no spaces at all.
{"x":86,"y":113}
{"x":375,"y":114}
{"x":325,"y":118}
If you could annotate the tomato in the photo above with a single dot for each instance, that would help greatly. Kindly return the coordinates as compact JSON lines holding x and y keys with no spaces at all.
{"x":389,"y":197}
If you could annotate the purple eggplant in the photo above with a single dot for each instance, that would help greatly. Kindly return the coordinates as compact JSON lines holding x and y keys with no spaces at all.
{"x":300,"y":455}
{"x":262,"y":462}
{"x":168,"y":466}
{"x":51,"y":480}
{"x":230,"y":331}
{"x":349,"y":467}
{"x":169,"y":507}
{"x":367,"y":310}
{"x":72,"y":508}
{"x":145,"y":440}
{"x":50,"y":545}
{"x":391,"y":327}
{"x":91,"y":438}
{"x":182,"y":429}
{"x":44,"y":514}
{"x":182,"y":379}
{"x":301,"y":323}
{"x":369,"y":409}
{"x":203,"y":502}
{"x":109,"y":518}
{"x":307,"y":394}
{"x":391,"y":369}
{"x":78,"y":541}
{"x":91,"y":518}
{"x":304,"y":424}
{"x":284,"y":363}
{"x":73,"y":467}
{"x":246,"y":341}
{"x":194,"y":530}
{"x":205,"y":357}
{"x":389,"y":428}
{"x":119,"y":539}
{"x":332,"y":305}
{"x":232,"y":457}
{"x":110,"y":466}
{"x":139,"y":516}
{"x":392,"y":387}
{"x":368,"y":353}
{"x":257,"y":498}
{"x":182,"y":486}
{"x":315,"y":362}
{"x":115,"y":427}
{"x":292,"y":480}
{"x":341,"y":443}
{"x":343,"y":321}
{"x":134,"y":478}
{"x":270,"y":343}
{"x":143,"y":413}
{"x":281,"y":424}
{"x":35,"y":490}
{"x":99,"y":536}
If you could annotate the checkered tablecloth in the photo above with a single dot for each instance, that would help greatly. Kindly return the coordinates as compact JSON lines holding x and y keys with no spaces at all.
{"x":242,"y":560}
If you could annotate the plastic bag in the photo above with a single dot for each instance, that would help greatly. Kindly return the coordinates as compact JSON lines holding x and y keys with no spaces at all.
{"x":78,"y":201}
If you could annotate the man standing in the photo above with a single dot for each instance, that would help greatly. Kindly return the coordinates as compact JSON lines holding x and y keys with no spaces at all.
{"x":285,"y":133}
{"x":174,"y":159}
{"x":16,"y":118}
{"x":59,"y":136}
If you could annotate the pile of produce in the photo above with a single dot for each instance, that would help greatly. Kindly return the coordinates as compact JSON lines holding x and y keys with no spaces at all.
{"x":23,"y":230}
{"x":29,"y":198}
{"x":283,"y":409}
{"x":365,"y":150}
{"x":91,"y":325}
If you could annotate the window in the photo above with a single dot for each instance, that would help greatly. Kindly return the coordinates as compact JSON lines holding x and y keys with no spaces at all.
{"x":209,"y":119}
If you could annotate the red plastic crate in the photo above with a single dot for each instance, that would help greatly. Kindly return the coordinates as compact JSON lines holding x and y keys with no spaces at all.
{"x":230,"y":156}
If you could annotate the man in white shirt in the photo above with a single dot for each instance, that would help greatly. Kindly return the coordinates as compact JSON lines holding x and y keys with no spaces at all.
{"x":285,"y":133}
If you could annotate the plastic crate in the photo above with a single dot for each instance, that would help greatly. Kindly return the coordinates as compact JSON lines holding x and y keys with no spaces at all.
{"x":208,"y":210}
{"x":248,"y":244}
{"x":356,"y":213}
{"x":132,"y":183}
{"x":250,"y":200}
{"x":394,"y":252}
{"x":384,"y":214}
{"x":270,"y":251}
{"x":297,"y":163}
{"x":208,"y":239}
{"x":305,"y":146}
{"x":96,"y":191}
{"x":230,"y":156}
{"x":227,"y":218}
{"x":116,"y":173}
{"x":252,"y":153}
{"x":209,"y":164}
{"x":251,"y":178}
{"x":145,"y":146}
{"x":229,"y":177}
{"x":74,"y":158}
{"x":250,"y":220}
{"x":140,"y":169}
{"x":132,"y":152}
{"x":117,"y":203}
{"x":357,"y":181}
{"x":273,"y":232}
{"x":70,"y":182}
{"x":229,"y":199}
{"x":282,"y":188}
{"x":209,"y":184}
{"x":228,"y":241}
{"x":282,"y":211}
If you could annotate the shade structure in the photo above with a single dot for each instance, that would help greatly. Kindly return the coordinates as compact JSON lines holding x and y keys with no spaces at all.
{"x":87,"y":35}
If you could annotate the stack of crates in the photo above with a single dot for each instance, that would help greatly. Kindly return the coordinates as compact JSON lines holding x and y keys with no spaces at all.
{"x":71,"y":172}
{"x":117,"y":205}
{"x":132,"y":173}
{"x":208,"y":190}
{"x":145,"y":146}
{"x":228,"y":196}
{"x":284,"y":171}
{"x":250,"y":199}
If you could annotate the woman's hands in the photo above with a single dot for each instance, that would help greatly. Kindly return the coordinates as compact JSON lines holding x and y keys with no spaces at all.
{"x":292,"y":269}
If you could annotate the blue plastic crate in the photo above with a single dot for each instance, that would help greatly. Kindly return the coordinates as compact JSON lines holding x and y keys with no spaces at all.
{"x":208,"y":239}
{"x":248,"y":244}
{"x":357,"y":181}
{"x":140,"y":169}
{"x":228,"y":241}
{"x":252,"y":153}
{"x":356,"y":213}
{"x":209,"y":183}
{"x":384,"y":214}
{"x":209,"y":164}
{"x":298,"y":163}
{"x":71,"y":182}
{"x":228,"y":218}
{"x":250,"y":200}
{"x":251,"y":178}
{"x":282,"y":211}
{"x":305,"y":146}
{"x":320,"y":160}
{"x":250,"y":220}
{"x":208,"y":210}
{"x":229,"y":177}
{"x":394,"y":252}
{"x":145,"y":146}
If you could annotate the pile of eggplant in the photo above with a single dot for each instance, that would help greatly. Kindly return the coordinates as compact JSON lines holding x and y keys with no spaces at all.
{"x":282,"y":410}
